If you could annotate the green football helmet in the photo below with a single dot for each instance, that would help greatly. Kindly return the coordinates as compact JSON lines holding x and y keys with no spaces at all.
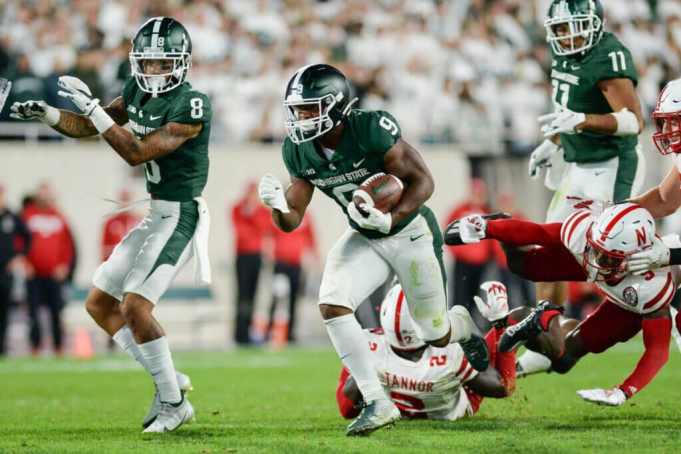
{"x":320,"y":86}
{"x":584,"y":19}
{"x":161,"y":38}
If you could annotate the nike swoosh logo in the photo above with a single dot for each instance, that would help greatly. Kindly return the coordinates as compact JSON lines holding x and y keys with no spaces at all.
{"x":166,"y":216}
{"x":345,"y":356}
{"x":414,"y":238}
{"x":600,"y":173}
{"x":380,"y":188}
{"x":152,"y":118}
{"x":575,"y":68}
{"x":357,"y":164}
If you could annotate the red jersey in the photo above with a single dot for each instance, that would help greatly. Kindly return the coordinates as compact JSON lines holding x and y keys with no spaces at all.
{"x":289,"y":247}
{"x":471,"y":254}
{"x":251,"y":223}
{"x":115,"y":229}
{"x":51,"y":243}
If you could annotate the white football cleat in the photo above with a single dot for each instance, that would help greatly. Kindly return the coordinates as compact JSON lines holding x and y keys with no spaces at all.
{"x":185,"y":386}
{"x":171,"y":417}
{"x":376,"y":414}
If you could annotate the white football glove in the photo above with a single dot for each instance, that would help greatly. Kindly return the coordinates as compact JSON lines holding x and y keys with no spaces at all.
{"x":5,"y":87}
{"x":78,"y":92}
{"x":272,"y":193}
{"x":472,"y":228}
{"x":35,"y":110}
{"x":609,"y":398}
{"x":375,"y":220}
{"x":650,"y":259}
{"x":563,"y":121}
{"x":541,"y":156}
{"x":496,"y":306}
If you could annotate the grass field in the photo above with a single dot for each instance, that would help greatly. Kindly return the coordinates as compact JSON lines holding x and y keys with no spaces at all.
{"x":254,"y":401}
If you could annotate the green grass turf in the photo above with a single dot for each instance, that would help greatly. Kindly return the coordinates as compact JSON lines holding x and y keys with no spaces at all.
{"x":254,"y":401}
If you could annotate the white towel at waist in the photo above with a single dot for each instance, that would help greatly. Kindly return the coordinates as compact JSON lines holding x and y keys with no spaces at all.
{"x":201,"y":271}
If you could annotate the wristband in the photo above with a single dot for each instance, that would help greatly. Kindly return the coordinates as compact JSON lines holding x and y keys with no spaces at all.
{"x":674,"y":256}
{"x":51,"y":116}
{"x":101,"y":120}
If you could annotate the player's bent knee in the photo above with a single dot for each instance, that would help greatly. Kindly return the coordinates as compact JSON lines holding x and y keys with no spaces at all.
{"x":440,"y":343}
{"x":134,"y":305}
{"x":330,"y":311}
{"x":99,"y":304}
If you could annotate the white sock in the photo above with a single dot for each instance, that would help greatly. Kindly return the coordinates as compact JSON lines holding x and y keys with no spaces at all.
{"x":458,"y":321}
{"x":351,"y":346}
{"x":534,"y":363}
{"x":159,"y":364}
{"x":126,"y":341}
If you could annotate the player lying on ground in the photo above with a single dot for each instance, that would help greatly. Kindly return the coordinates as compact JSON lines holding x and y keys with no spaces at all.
{"x":426,"y":382}
{"x":334,"y":148}
{"x":593,"y":244}
{"x":171,"y":127}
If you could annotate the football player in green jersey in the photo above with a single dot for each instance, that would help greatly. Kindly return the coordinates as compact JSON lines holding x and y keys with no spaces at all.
{"x":334,"y":149}
{"x":596,"y":121}
{"x":171,"y":126}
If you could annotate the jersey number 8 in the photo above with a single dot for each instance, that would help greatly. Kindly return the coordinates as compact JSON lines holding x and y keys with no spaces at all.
{"x":197,"y":107}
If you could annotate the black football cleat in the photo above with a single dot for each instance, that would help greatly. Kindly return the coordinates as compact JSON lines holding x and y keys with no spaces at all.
{"x":527,"y":328}
{"x":451,"y":233}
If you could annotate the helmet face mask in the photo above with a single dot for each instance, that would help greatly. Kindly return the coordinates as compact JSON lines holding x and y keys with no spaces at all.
{"x":603,"y":265}
{"x":397,"y":323}
{"x":619,"y":232}
{"x":315,"y":89}
{"x":159,"y":41}
{"x":574,"y":26}
{"x":304,"y":129}
{"x":667,"y":116}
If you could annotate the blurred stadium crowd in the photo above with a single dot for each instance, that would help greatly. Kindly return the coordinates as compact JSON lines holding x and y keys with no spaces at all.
{"x":467,"y":71}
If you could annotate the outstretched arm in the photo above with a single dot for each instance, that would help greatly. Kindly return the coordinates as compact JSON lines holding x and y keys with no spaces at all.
{"x":524,"y":233}
{"x":76,"y":126}
{"x":657,"y":329}
{"x":664,"y":199}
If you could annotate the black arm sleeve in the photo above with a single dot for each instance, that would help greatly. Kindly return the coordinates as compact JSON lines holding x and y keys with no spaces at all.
{"x":675,"y":256}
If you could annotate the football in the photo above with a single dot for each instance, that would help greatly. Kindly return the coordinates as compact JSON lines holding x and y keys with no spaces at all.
{"x":382,"y":191}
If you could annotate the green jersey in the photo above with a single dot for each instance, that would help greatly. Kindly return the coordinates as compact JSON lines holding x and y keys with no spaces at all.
{"x":367,"y":137}
{"x":179,"y":176}
{"x":574,"y":86}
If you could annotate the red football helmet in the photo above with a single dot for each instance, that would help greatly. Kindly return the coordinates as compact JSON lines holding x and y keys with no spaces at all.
{"x":667,"y":117}
{"x":617,"y":233}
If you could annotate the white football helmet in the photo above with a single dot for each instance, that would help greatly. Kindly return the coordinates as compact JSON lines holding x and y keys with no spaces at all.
{"x":617,"y":233}
{"x":667,"y":117}
{"x":397,"y":322}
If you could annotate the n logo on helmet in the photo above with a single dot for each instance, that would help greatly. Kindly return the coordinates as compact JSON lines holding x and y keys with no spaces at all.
{"x":641,"y":236}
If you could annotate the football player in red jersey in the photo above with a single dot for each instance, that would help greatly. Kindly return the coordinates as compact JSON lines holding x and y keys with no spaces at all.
{"x":427,"y":382}
{"x":595,"y":244}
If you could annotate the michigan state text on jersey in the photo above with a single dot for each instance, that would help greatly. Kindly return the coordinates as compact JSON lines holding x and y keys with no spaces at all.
{"x":335,"y":149}
{"x":171,"y":125}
